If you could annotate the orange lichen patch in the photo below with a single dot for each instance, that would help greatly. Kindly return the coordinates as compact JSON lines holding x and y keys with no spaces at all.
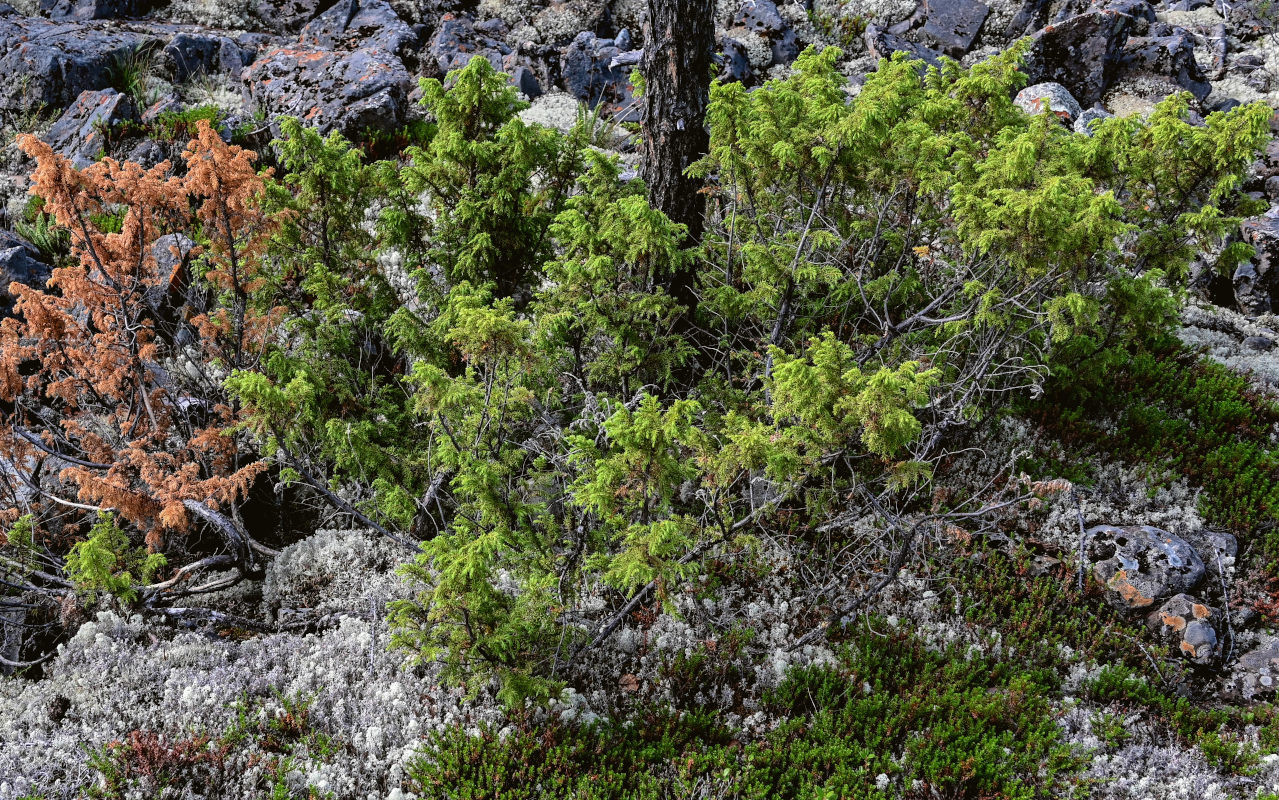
{"x":1200,"y":611}
{"x":1173,"y":621}
{"x":1187,"y":647}
{"x":1130,"y":594}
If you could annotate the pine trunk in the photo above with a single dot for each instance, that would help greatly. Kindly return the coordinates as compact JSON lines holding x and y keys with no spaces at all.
{"x":678,"y":37}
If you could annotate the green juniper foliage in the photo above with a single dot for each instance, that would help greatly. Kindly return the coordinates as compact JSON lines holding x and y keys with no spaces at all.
{"x":106,"y":561}
{"x":478,"y":351}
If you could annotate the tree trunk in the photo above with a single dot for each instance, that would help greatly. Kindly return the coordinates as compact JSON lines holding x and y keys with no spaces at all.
{"x":678,"y":38}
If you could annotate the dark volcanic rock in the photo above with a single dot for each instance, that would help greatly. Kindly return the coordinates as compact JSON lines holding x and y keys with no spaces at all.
{"x":95,"y":9}
{"x":189,"y":54}
{"x":1080,"y":53}
{"x":48,"y":64}
{"x":78,"y":133}
{"x":1257,"y":282}
{"x":597,"y":72}
{"x":356,"y":92}
{"x":1141,"y":565}
{"x":1035,"y":14}
{"x":1171,"y":57}
{"x":760,"y":16}
{"x":19,"y":262}
{"x":951,"y":26}
{"x":290,"y":16}
{"x":362,"y":23}
{"x":457,"y":40}
{"x":732,"y":60}
{"x":428,"y":12}
{"x":883,"y":44}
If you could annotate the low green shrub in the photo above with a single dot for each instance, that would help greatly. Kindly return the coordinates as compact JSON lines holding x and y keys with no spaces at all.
{"x":933,"y":721}
{"x":1181,"y":416}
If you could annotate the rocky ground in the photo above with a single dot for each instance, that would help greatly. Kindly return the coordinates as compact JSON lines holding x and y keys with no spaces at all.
{"x":75,"y":70}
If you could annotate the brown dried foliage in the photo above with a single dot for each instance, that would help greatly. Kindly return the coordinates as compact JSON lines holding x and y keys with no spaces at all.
{"x":105,"y":386}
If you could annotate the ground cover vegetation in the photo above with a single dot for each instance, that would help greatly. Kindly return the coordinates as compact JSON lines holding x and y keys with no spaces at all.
{"x":472,"y":348}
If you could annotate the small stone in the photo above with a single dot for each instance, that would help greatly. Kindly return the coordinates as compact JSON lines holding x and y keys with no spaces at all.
{"x":1049,"y":97}
{"x":1189,"y":626}
{"x":1262,"y":343}
{"x":1083,"y":123}
{"x":1142,"y":565}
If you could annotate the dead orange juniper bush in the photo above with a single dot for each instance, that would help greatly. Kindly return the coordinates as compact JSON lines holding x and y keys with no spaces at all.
{"x":112,"y":375}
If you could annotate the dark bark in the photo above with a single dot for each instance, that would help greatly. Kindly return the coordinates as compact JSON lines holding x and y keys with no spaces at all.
{"x":678,"y":39}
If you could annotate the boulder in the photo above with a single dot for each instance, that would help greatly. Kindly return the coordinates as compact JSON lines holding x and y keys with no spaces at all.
{"x":95,"y":9}
{"x":597,"y":72}
{"x":1215,"y":547}
{"x":534,"y":68}
{"x":20,"y":262}
{"x":290,"y":16}
{"x":352,"y":24}
{"x":46,"y":65}
{"x":761,"y":17}
{"x":732,"y":61}
{"x":428,"y":12}
{"x":79,"y":132}
{"x":458,"y":39}
{"x":1166,"y":57}
{"x":189,"y":54}
{"x":1035,"y":14}
{"x":882,"y":44}
{"x":1252,"y":293}
{"x":1050,"y":97}
{"x":1257,"y":282}
{"x":1080,"y":53}
{"x":1083,"y":123}
{"x":951,"y":26}
{"x":1142,"y":565}
{"x":1189,"y":626}
{"x":354,"y":93}
{"x":1219,"y":44}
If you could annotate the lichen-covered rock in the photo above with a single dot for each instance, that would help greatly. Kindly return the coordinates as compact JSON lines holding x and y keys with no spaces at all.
{"x":458,"y":39}
{"x":1256,"y":673}
{"x":1189,"y":626}
{"x":1083,"y":123}
{"x":593,"y":72}
{"x":353,"y":93}
{"x":880,"y":43}
{"x":78,"y":133}
{"x":191,"y":54}
{"x":20,"y":262}
{"x":1171,"y":58}
{"x":1079,"y":53}
{"x":1050,"y":97}
{"x":95,"y":9}
{"x":1257,"y":282}
{"x":352,"y":24}
{"x":951,"y":26}
{"x":1142,"y":565}
{"x":289,"y":16}
{"x":46,"y":65}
